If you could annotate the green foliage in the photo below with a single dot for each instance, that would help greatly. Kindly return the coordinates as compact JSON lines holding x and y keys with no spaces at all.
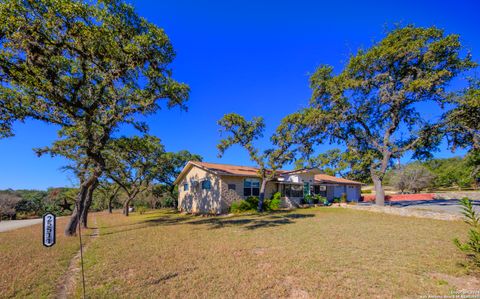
{"x":89,"y":67}
{"x":35,"y":203}
{"x":240,"y":206}
{"x":133,"y":163}
{"x":168,"y":169}
{"x":273,"y":203}
{"x":252,"y":201}
{"x":464,"y":120}
{"x":454,"y":172}
{"x":141,"y":209}
{"x":336,"y":200}
{"x":241,"y":132}
{"x":334,"y":162}
{"x":376,"y":96}
{"x":472,"y":246}
{"x":250,"y":204}
{"x":343,"y":198}
{"x":315,"y":199}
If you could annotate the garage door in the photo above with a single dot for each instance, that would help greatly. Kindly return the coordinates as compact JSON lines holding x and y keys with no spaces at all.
{"x":352,"y":193}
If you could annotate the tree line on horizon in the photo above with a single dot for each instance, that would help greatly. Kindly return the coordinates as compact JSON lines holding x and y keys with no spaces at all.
{"x":93,"y":67}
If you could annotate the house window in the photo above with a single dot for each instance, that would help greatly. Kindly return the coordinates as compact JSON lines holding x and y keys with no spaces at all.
{"x":206,"y":185}
{"x":232,"y":187}
{"x":292,"y":190}
{"x":185,"y":187}
{"x":251,"y":187}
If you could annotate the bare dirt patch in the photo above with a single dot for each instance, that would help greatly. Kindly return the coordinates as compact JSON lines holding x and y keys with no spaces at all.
{"x":464,"y":283}
{"x":68,"y":282}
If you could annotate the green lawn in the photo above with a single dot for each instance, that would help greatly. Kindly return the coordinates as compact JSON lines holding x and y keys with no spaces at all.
{"x":321,"y":252}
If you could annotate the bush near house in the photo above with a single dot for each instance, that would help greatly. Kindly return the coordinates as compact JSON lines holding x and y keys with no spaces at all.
{"x":250,"y":204}
{"x":315,"y":199}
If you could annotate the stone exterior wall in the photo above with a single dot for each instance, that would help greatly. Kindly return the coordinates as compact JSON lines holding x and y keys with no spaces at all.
{"x":218,"y":199}
{"x":290,"y":202}
{"x":231,"y":195}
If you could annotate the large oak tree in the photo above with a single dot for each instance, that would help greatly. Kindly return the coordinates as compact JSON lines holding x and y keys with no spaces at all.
{"x":88,"y":67}
{"x":371,"y":106}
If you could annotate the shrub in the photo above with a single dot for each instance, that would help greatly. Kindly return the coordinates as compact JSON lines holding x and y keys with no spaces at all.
{"x":308,"y":199}
{"x":343,"y":198}
{"x":273,"y":203}
{"x":252,"y":201}
{"x":413,"y":177}
{"x":367,"y":191}
{"x":323,"y":200}
{"x":472,"y":247}
{"x":251,"y":204}
{"x":242,"y":206}
{"x":336,"y":199}
{"x":141,"y":209}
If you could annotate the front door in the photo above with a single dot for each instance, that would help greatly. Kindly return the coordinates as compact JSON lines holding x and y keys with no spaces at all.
{"x":306,"y":189}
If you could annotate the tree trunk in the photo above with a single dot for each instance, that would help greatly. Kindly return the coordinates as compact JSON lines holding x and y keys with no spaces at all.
{"x":110,"y":203}
{"x":261,"y":198}
{"x":377,"y":178}
{"x":111,"y":198}
{"x":88,"y":203}
{"x":71,"y":227}
{"x":126,"y":205}
{"x":379,"y":192}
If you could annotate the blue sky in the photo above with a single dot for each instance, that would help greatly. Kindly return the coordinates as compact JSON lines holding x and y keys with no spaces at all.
{"x":249,"y":57}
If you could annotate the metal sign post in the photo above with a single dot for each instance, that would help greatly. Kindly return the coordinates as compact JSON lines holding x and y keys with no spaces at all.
{"x":49,"y":229}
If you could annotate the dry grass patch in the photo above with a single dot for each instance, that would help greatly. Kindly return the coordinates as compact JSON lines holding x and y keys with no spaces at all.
{"x":28,"y":269}
{"x":323,"y":252}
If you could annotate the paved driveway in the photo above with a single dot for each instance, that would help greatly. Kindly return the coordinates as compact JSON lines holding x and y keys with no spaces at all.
{"x":7,"y":225}
{"x":450,"y":206}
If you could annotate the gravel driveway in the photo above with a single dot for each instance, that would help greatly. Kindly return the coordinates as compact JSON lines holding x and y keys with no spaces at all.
{"x":450,"y":206}
{"x":7,"y":225}
{"x":443,"y":209}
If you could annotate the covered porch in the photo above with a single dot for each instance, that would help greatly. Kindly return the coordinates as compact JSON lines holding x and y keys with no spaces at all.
{"x":293,"y":194}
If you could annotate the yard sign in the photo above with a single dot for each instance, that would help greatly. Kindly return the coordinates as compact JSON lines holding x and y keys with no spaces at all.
{"x":49,"y":229}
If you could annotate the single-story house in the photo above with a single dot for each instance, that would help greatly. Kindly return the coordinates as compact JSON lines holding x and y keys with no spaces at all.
{"x":211,"y":188}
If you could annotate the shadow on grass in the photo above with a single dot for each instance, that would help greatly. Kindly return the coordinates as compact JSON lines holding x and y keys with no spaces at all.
{"x":248,"y":222}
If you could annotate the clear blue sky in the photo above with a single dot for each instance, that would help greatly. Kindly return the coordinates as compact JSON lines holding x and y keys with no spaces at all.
{"x":249,"y":57}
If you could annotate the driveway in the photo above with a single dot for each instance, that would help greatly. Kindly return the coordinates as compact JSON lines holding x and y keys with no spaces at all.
{"x":449,"y":206}
{"x":7,"y":225}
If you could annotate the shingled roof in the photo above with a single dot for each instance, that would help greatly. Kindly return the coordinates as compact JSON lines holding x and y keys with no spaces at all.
{"x":249,"y":171}
{"x":325,"y":178}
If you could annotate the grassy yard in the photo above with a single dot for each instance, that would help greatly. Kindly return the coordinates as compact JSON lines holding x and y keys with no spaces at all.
{"x":321,"y":252}
{"x":325,"y":252}
{"x":28,"y":269}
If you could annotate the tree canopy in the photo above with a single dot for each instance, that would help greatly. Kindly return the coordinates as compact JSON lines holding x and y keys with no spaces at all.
{"x":371,"y":105}
{"x":336,"y":162}
{"x":132,"y":163}
{"x":463,"y":129}
{"x":88,"y":67}
{"x":240,"y":131}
